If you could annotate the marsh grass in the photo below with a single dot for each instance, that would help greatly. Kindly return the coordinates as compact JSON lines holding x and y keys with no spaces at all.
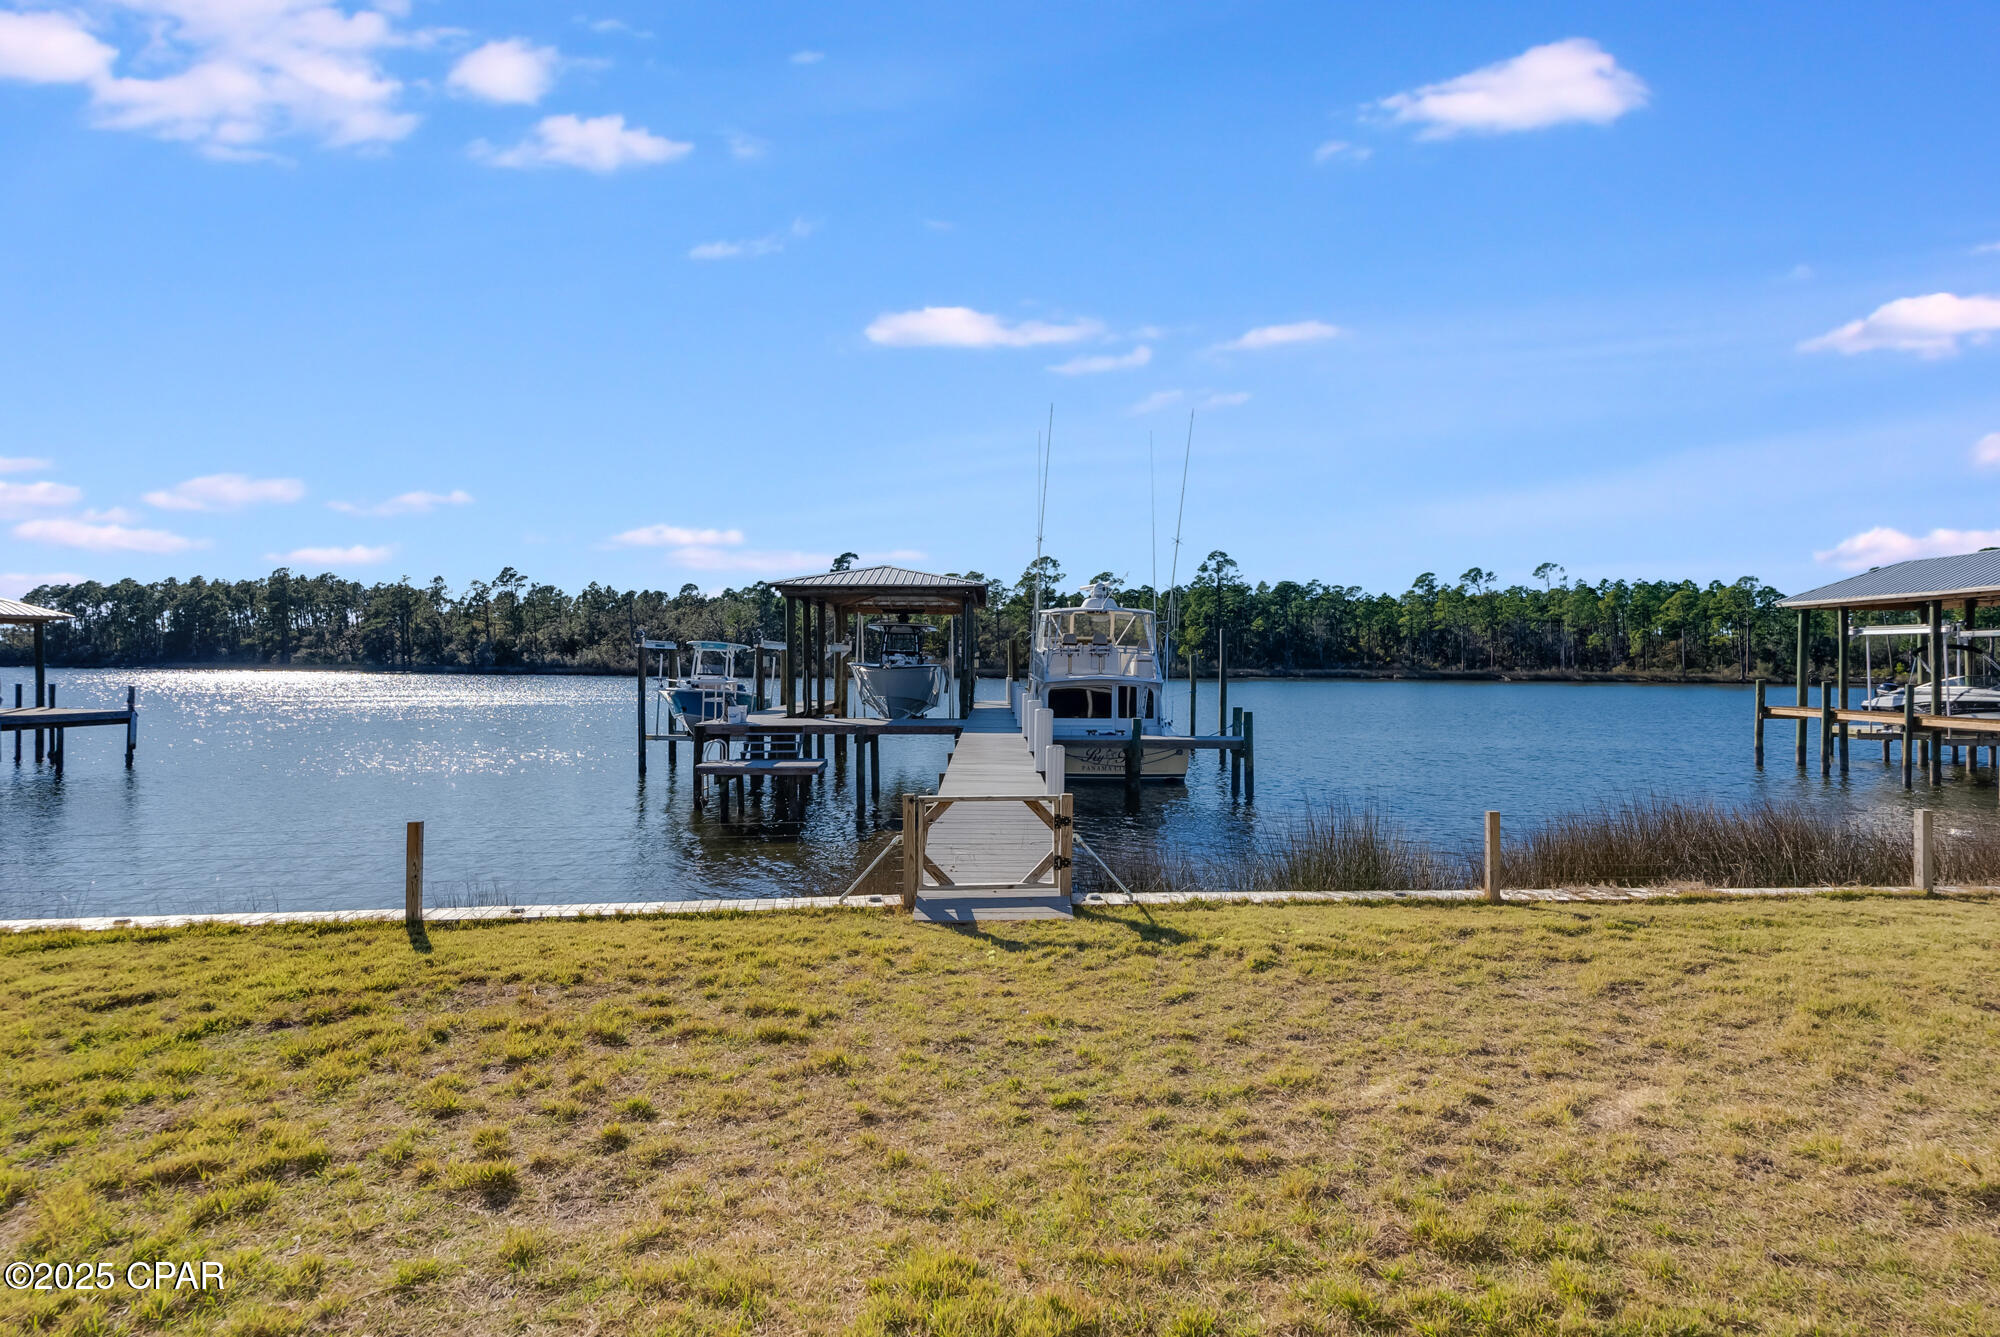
{"x":1677,"y":1117}
{"x":1639,"y":843}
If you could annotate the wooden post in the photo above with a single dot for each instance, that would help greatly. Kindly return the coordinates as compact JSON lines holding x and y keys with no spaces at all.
{"x":41,"y":680}
{"x":1825,"y":728}
{"x":791,"y":661}
{"x":1805,"y":618}
{"x":1134,"y":757}
{"x":875,"y":771}
{"x":1840,"y":676}
{"x":757,"y":672}
{"x":1236,"y":754}
{"x":1909,"y":732}
{"x":1249,"y":753}
{"x":860,"y":779}
{"x":131,"y":724}
{"x":1924,"y":852}
{"x":1221,"y":673}
{"x":1010,"y":665}
{"x":913,"y":850}
{"x":1192,"y":685}
{"x":1937,"y":687}
{"x":17,"y":732}
{"x":413,"y":874}
{"x":1065,"y":841}
{"x":642,"y":703}
{"x":1757,"y":732}
{"x":1492,"y":885}
{"x":1056,"y":762}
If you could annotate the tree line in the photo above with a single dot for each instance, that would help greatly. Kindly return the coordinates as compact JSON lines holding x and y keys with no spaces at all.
{"x":1550,"y":624}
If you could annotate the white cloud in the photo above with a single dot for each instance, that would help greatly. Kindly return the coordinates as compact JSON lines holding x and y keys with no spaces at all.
{"x":769,"y":244}
{"x":358,"y":555}
{"x":1159,"y":399}
{"x":962,"y":327}
{"x":1226,"y":399}
{"x":599,"y":144}
{"x":1930,"y":326}
{"x":1572,"y":80}
{"x":225,"y":492}
{"x":22,"y":464}
{"x":807,"y":57}
{"x":746,"y":147}
{"x":513,"y":71}
{"x":18,"y":499}
{"x":232,"y":74}
{"x":406,"y":503}
{"x":1986,"y":451}
{"x":112,"y":515}
{"x":616,"y":26}
{"x":104,"y":538}
{"x":46,"y":48}
{"x":16,"y":584}
{"x":1340,"y":148}
{"x":674,"y":536}
{"x":1881,"y":545}
{"x":1087,"y":366}
{"x":1987,"y":248}
{"x":1277,"y":336}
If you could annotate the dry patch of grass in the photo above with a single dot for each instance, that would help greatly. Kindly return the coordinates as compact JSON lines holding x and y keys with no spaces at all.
{"x":1666,"y":1118}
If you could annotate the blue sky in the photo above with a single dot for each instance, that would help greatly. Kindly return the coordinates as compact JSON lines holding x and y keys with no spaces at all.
{"x":648,"y":294}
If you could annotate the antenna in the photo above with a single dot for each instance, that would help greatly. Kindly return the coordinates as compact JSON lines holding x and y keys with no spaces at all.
{"x":1153,"y":518}
{"x":1173,"y":579}
{"x":1044,"y":449}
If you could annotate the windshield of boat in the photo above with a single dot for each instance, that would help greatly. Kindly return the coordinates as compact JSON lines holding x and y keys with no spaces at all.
{"x":712,"y":663}
{"x":1129,"y":628}
{"x":901,"y":641}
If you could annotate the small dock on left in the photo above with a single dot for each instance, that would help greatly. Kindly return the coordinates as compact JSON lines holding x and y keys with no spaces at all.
{"x":48,"y":722}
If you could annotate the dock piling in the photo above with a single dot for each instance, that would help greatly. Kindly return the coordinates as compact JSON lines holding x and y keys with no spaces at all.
{"x":1134,"y":756}
{"x":413,"y":874}
{"x":1825,"y":729}
{"x":1799,"y":680}
{"x":131,"y":724}
{"x":1235,"y":730}
{"x":1924,"y":852}
{"x":1249,"y":755}
{"x":1909,"y":734}
{"x":1757,"y":733}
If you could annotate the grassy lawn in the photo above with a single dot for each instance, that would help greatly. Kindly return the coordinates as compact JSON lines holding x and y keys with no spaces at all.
{"x":1668,"y":1118}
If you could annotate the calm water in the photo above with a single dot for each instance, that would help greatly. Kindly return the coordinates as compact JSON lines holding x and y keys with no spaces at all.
{"x":289,"y":790}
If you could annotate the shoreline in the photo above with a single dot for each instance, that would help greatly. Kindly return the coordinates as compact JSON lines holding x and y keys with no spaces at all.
{"x":1649,"y":679}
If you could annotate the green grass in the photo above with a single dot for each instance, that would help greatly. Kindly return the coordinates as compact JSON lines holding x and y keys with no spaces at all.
{"x":1679,"y":1117}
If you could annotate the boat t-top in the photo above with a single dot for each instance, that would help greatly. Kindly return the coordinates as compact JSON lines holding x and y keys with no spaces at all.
{"x":898,"y":682}
{"x":1097,"y":668}
{"x":713,"y":690}
{"x":1973,"y":690}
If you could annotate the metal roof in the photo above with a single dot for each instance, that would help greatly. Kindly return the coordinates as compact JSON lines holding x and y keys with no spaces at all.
{"x":15,"y":612}
{"x":886,"y":587}
{"x":1972,"y":575}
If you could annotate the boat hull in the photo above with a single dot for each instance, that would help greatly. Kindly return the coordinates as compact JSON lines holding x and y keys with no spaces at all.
{"x":1085,"y":759}
{"x":900,"y":691}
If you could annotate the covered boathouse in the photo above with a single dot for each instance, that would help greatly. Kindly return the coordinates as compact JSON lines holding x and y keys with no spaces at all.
{"x":1943,"y":593}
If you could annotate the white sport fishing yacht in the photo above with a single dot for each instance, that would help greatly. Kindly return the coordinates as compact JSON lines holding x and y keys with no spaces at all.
{"x":1097,"y":668}
{"x":1973,"y":690}
{"x":899,"y":682}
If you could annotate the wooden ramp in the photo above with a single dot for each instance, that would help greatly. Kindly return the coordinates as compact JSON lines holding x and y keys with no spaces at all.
{"x":982,"y":852}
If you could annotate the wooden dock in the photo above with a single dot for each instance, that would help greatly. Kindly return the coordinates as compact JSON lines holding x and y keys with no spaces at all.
{"x":992,"y":843}
{"x":49,"y":724}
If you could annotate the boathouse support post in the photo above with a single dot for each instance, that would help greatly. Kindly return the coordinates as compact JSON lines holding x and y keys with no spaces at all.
{"x":757,"y":671}
{"x":413,"y":874}
{"x":1845,"y":630}
{"x":1923,"y":851}
{"x":788,"y":667}
{"x":41,"y":680}
{"x":1799,"y":677}
{"x":131,"y":724}
{"x":1492,"y":862}
{"x":1757,"y":731}
{"x":1909,"y":733}
{"x":1937,"y":688}
{"x":17,"y":732}
{"x":1825,"y":727}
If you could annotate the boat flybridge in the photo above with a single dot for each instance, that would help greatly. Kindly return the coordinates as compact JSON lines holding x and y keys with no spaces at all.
{"x":1974,"y":689}
{"x":714,"y":689}
{"x":1097,"y":668}
{"x":899,"y":682}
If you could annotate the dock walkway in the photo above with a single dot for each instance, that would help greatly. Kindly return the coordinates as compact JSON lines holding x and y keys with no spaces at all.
{"x":987,"y":843}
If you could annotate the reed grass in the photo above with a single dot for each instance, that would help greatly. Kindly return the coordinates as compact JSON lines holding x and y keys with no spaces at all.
{"x":1652,"y":842}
